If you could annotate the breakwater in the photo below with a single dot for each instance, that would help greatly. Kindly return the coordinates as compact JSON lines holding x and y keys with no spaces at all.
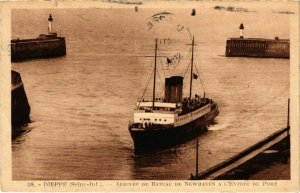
{"x":20,"y":108}
{"x":258,"y":47}
{"x":45,"y":46}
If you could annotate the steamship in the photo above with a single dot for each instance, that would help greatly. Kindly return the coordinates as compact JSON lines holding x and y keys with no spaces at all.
{"x":174,"y":119}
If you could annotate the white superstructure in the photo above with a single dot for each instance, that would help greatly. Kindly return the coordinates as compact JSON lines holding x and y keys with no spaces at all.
{"x":167,"y":114}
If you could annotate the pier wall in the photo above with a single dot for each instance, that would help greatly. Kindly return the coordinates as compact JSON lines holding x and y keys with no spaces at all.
{"x":223,"y":169}
{"x":240,"y":47}
{"x":278,"y":49}
{"x":20,"y":108}
{"x":37,"y":48}
{"x":271,"y":164}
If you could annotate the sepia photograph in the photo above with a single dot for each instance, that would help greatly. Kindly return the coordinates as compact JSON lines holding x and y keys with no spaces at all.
{"x":152,"y":94}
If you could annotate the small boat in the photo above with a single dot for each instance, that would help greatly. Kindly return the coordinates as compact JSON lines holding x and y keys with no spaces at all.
{"x":173,"y":119}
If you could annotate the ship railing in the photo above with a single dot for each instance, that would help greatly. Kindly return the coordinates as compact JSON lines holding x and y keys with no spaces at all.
{"x":156,"y":104}
{"x":158,"y":107}
{"x":195,"y":103}
{"x":158,"y":110}
{"x":161,"y":99}
{"x":149,"y":125}
{"x":187,"y":109}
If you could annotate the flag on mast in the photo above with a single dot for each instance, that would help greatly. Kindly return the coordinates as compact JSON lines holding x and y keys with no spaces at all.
{"x":195,"y":76}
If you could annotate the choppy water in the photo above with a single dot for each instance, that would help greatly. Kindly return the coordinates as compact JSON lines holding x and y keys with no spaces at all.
{"x":81,"y":103}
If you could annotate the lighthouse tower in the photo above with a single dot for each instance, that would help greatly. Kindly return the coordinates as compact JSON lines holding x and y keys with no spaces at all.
{"x":50,"y":19}
{"x":241,"y":30}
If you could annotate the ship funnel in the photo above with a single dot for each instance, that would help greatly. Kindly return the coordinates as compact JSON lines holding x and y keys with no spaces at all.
{"x":50,"y":19}
{"x":173,"y":89}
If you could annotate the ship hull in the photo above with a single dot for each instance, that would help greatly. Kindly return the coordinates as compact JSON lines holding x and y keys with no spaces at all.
{"x":153,"y":139}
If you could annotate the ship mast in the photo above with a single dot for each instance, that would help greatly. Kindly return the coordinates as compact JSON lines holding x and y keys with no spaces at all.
{"x":192,"y":62}
{"x":154,"y":79}
{"x":197,"y":157}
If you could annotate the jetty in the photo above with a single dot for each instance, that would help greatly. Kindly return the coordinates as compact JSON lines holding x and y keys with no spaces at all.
{"x":45,"y":46}
{"x":257,"y":47}
{"x":20,"y":108}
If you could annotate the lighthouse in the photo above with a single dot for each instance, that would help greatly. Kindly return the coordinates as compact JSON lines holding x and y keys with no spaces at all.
{"x":241,"y":30}
{"x":50,"y":19}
